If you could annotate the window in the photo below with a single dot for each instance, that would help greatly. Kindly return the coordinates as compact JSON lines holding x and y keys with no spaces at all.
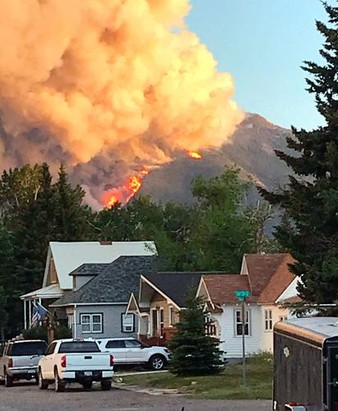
{"x":283,"y":317}
{"x":238,"y":322}
{"x":115,"y":344}
{"x":268,"y":320}
{"x":171,"y":315}
{"x":127,"y":323}
{"x":78,"y":346}
{"x":154,"y":325}
{"x":91,"y":323}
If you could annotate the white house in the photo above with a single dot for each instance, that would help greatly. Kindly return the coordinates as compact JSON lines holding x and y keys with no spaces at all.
{"x":63,"y":258}
{"x":270,"y":282}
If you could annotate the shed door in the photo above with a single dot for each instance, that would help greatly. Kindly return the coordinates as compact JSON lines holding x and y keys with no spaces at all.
{"x":332,"y":378}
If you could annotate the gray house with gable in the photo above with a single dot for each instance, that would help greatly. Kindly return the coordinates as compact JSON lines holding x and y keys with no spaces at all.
{"x":96,"y":305}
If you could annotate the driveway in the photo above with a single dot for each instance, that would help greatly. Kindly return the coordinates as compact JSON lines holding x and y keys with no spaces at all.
{"x":28,"y":397}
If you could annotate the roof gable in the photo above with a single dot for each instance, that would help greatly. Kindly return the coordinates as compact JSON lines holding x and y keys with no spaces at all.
{"x":266,"y":276}
{"x":176,"y":285}
{"x":114,"y":284}
{"x":68,"y":256}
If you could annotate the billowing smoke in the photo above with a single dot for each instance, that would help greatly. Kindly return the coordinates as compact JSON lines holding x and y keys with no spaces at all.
{"x":107,"y":87}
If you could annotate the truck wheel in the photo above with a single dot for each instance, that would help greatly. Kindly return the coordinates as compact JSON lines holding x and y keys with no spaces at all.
{"x":8,"y":380}
{"x":43,"y":384}
{"x":58,"y":383}
{"x":105,"y":385}
{"x":87,"y":385}
{"x":157,"y":362}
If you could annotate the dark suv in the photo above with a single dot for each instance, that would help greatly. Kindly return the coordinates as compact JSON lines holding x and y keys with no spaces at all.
{"x":20,"y":359}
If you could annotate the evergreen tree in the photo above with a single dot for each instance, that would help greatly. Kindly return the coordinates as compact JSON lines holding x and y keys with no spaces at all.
{"x":72,"y":216}
{"x":193,"y":352}
{"x":310,"y":200}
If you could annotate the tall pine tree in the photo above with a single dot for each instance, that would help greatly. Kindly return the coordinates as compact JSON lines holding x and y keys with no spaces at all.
{"x":310,"y":200}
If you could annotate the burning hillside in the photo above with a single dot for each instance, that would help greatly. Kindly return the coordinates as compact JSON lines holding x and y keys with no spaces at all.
{"x":107,"y":87}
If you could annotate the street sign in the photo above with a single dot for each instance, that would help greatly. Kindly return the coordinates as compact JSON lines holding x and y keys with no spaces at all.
{"x":242,"y":294}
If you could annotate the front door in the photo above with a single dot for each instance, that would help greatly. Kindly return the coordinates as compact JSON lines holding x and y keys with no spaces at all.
{"x":332,"y":378}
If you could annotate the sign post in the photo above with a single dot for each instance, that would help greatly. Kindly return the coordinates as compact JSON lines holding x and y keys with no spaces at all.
{"x":242,"y":295}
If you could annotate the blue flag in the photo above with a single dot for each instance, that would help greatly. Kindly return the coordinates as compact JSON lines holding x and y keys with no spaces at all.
{"x":39,"y":312}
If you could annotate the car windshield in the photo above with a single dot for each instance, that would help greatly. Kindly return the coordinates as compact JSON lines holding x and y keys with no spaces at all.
{"x":29,"y":348}
{"x":79,"y":346}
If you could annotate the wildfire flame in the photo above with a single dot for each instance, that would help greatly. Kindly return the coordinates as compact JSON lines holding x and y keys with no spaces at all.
{"x":125,"y":192}
{"x":194,"y":154}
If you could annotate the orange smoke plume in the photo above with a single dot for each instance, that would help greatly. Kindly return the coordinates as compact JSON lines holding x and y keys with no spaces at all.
{"x":123,"y":81}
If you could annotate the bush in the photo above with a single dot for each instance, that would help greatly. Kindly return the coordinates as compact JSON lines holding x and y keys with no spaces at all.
{"x":40,"y":332}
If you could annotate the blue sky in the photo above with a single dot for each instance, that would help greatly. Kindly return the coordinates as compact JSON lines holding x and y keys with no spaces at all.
{"x":263,"y":43}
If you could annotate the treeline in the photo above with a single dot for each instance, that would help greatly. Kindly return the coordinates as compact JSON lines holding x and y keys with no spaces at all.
{"x":212,"y":234}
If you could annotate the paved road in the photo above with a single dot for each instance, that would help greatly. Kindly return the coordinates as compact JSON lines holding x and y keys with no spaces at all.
{"x":28,"y":397}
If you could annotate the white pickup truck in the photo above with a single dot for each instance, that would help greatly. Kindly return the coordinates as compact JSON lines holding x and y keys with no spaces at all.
{"x":71,"y":360}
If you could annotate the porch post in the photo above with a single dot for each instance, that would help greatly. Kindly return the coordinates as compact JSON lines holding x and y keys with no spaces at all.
{"x":30,"y":313}
{"x":74,"y":316}
{"x":25,"y":314}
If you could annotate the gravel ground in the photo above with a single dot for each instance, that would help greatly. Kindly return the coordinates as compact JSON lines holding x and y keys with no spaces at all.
{"x":28,"y":397}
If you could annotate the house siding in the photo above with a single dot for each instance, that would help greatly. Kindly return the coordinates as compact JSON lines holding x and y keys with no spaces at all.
{"x":267,"y":335}
{"x":230,"y":343}
{"x":79,"y":281}
{"x":258,"y":339}
{"x":111,"y":321}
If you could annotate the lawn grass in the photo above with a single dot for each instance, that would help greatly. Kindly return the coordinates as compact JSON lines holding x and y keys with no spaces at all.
{"x":227,"y":385}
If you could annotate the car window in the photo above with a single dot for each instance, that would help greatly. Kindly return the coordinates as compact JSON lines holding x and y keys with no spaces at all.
{"x":79,"y":346}
{"x":29,"y":348}
{"x":115,"y":344}
{"x":133,"y":344}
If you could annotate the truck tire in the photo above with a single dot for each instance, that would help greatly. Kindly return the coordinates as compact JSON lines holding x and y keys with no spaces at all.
{"x":87,"y":385}
{"x":157,"y":362}
{"x":59,"y":385}
{"x":106,"y":385}
{"x":43,"y":384}
{"x":8,"y":380}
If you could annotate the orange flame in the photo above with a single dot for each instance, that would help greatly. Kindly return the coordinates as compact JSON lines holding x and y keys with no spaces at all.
{"x":125,"y":192}
{"x":194,"y":154}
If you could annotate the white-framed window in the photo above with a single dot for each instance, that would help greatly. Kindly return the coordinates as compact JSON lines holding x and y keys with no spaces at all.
{"x":91,"y":323}
{"x":127,"y":323}
{"x":268,"y":320}
{"x":171,"y":315}
{"x":283,"y":317}
{"x":238,"y":322}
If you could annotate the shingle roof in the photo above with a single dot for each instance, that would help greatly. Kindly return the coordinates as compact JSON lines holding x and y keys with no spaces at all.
{"x":279,"y":281}
{"x":176,"y":285}
{"x":268,"y":277}
{"x":114,"y":284}
{"x":90,"y":269}
{"x":67,"y":256}
{"x":221,"y":288}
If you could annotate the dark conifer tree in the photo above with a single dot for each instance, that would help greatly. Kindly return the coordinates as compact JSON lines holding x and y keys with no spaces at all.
{"x":310,"y":200}
{"x":193,"y":352}
{"x":72,"y":216}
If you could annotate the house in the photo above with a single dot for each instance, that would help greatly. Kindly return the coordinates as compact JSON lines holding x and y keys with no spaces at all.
{"x":64,"y":258}
{"x":96,"y":307}
{"x":268,"y":279}
{"x":161,"y":298}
